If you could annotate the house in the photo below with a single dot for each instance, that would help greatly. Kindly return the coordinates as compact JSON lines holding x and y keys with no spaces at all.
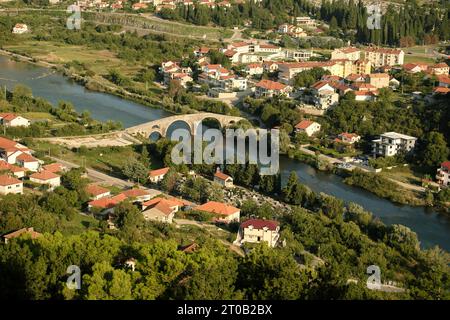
{"x":13,"y":120}
{"x":202,"y":51}
{"x":106,"y":205}
{"x":10,"y":150}
{"x":391,"y":143}
{"x":394,"y":83}
{"x":358,"y":86}
{"x":223,"y":179}
{"x":355,"y":77}
{"x":257,"y":230}
{"x":18,"y":172}
{"x":415,"y":67}
{"x":27,"y":161}
{"x":307,"y":126}
{"x":97,"y":192}
{"x":55,"y":167}
{"x":325,"y":99}
{"x":268,"y":88}
{"x":379,"y":80}
{"x":444,"y":81}
{"x":29,"y":231}
{"x":349,"y":53}
{"x":439,"y":69}
{"x":162,"y":209}
{"x":157,"y":175}
{"x":443,"y":174}
{"x":254,"y":69}
{"x":10,"y":184}
{"x":305,"y":21}
{"x":139,"y":195}
{"x":223,"y":212}
{"x":441,"y":91}
{"x":349,"y":138}
{"x":270,"y":66}
{"x":46,"y":178}
{"x":365,"y":95}
{"x":20,"y":28}
{"x":384,"y":57}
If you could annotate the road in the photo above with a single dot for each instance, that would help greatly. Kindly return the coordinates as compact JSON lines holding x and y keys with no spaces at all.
{"x":97,"y":175}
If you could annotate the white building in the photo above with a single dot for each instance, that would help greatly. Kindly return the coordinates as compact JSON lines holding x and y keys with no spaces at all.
{"x":443,"y":174}
{"x":391,"y":143}
{"x":27,"y":161}
{"x":46,"y":178}
{"x":157,"y":175}
{"x":20,"y":28}
{"x":10,"y":184}
{"x":223,"y":179}
{"x":12,"y":120}
{"x":257,"y":230}
{"x":307,"y":126}
{"x":384,"y":57}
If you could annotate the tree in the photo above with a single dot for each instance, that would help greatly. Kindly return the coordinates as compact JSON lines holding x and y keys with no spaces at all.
{"x":135,"y":171}
{"x":433,"y":149}
{"x":145,"y":158}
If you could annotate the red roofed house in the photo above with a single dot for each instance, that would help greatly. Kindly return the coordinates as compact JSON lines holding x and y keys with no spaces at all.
{"x":307,"y":126}
{"x":18,"y":233}
{"x":349,"y":138}
{"x":28,"y":161}
{"x":415,"y":67}
{"x":254,"y":69}
{"x":257,"y":230}
{"x":54,"y":167}
{"x":18,"y":172}
{"x":268,"y":88}
{"x":139,"y":195}
{"x":97,"y":192}
{"x":12,"y":120}
{"x":9,"y":184}
{"x":107,"y":205}
{"x":47,"y":178}
{"x":441,"y":90}
{"x":439,"y":69}
{"x":224,"y":212}
{"x":161,"y":209}
{"x":138,"y":6}
{"x":20,"y":28}
{"x":10,"y":150}
{"x":443,"y":174}
{"x":223,"y":179}
{"x":444,"y":81}
{"x":379,"y":80}
{"x":365,"y":95}
{"x":157,"y":175}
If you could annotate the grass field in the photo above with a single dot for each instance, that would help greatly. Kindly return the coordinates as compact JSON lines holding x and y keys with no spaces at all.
{"x":403,"y":174}
{"x":79,"y":224}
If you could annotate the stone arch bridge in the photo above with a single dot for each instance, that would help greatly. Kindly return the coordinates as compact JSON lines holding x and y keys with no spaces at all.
{"x":192,"y":120}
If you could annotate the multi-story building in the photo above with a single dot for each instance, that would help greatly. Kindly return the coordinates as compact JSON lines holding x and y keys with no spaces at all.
{"x":267,"y":88}
{"x":384,"y":57}
{"x":443,"y":174}
{"x":258,"y":230}
{"x":349,"y":53}
{"x":391,"y":143}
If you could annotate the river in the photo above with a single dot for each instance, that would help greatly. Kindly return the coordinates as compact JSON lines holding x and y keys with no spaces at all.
{"x":432,"y":228}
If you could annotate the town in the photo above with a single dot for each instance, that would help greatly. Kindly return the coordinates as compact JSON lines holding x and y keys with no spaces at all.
{"x":362,"y":117}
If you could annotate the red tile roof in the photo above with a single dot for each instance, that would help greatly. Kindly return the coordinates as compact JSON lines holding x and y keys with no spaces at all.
{"x":444,"y":79}
{"x":95,"y":190}
{"x":25,"y":157}
{"x":54,"y":167}
{"x":222,"y":176}
{"x":441,"y":90}
{"x":8,"y":116}
{"x":106,"y":203}
{"x":304,"y":124}
{"x":217,"y":208}
{"x":10,"y":167}
{"x":270,"y":85}
{"x":6,"y":180}
{"x":44,"y":175}
{"x":158,"y":172}
{"x":260,"y":224}
{"x":19,"y":232}
{"x":446,"y":164}
{"x":134,"y":193}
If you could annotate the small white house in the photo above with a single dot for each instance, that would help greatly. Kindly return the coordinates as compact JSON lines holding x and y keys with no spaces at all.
{"x":10,"y":184}
{"x":307,"y":126}
{"x":20,"y":28}
{"x":257,"y":230}
{"x":47,"y":178}
{"x":13,"y":120}
{"x":223,"y":179}
{"x":157,"y":175}
{"x":28,"y":161}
